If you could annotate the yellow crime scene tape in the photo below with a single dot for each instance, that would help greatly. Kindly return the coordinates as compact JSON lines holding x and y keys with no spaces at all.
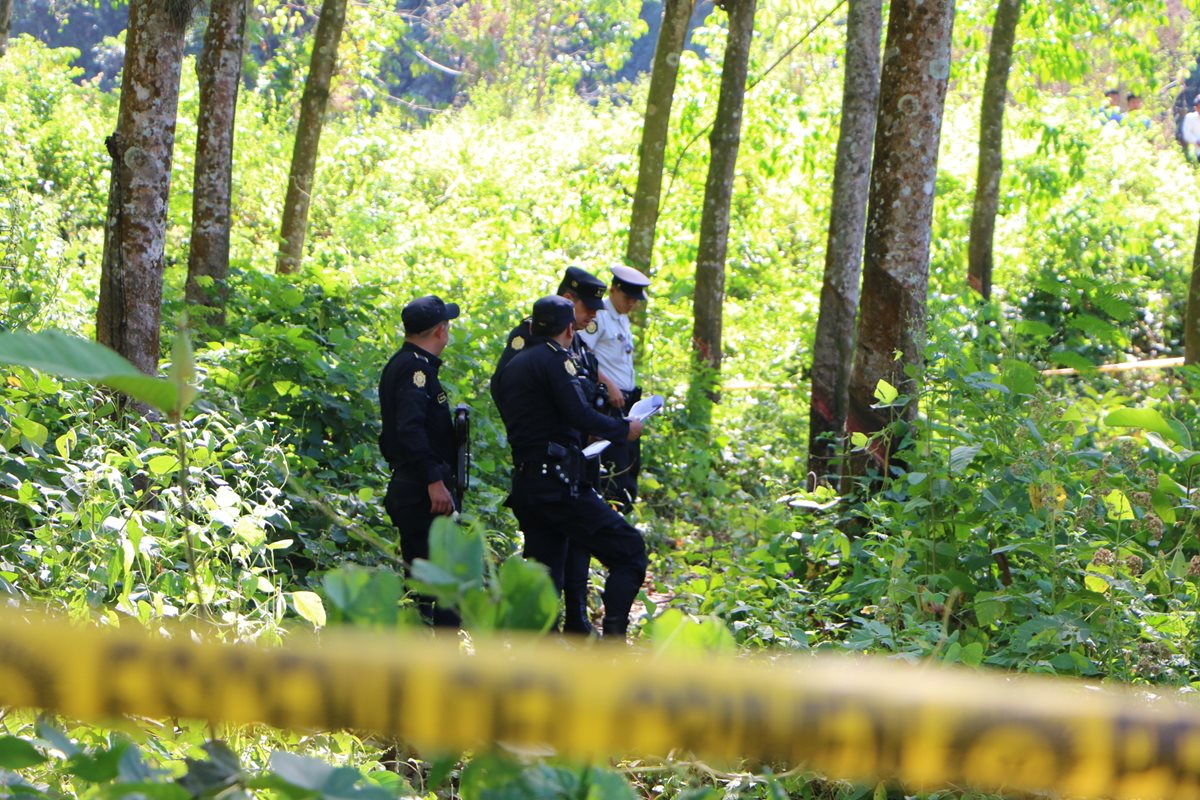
{"x":858,"y":719}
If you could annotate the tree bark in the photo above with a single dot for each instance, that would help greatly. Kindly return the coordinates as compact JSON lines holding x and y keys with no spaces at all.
{"x":895,"y":283}
{"x":129,"y":310}
{"x":1191,"y":328}
{"x":6,"y":7}
{"x":644,"y":217}
{"x":833,"y":348}
{"x":308,"y":135}
{"x":991,"y":135}
{"x":718,"y":194}
{"x":220,"y":73}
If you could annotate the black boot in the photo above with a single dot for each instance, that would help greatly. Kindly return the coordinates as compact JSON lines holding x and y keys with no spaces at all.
{"x":575,"y":618}
{"x":615,"y":629}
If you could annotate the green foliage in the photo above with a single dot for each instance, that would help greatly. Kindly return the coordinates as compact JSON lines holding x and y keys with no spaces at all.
{"x":1029,"y":523}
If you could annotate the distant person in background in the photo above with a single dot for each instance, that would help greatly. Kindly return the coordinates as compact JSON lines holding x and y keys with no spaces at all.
{"x":1190,"y":132}
{"x":1112,"y":109}
{"x":1133,"y":104}
{"x":610,"y":336}
{"x":417,"y":438}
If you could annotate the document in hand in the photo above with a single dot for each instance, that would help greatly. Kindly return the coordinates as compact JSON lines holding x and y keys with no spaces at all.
{"x":641,"y":410}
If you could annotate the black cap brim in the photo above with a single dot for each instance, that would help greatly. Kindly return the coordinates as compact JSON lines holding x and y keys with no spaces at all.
{"x":636,"y":292}
{"x":451,"y":311}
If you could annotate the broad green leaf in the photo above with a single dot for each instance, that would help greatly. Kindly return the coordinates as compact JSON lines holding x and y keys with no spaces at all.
{"x":972,"y":654}
{"x":885,"y":393}
{"x":1095,"y":583}
{"x":1019,"y":376}
{"x":1146,"y":419}
{"x":309,"y":606}
{"x":962,"y":456}
{"x":182,"y":373}
{"x":99,"y":766}
{"x":64,"y":443}
{"x":528,"y":600}
{"x":1119,"y":507}
{"x":457,"y":551}
{"x":72,"y":357}
{"x":162,"y":465}
{"x":859,"y":439}
{"x":17,"y":753}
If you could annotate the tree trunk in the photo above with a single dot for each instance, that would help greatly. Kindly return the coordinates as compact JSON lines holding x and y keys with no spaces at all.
{"x":644,"y":217}
{"x":891,"y":316}
{"x":308,"y":134}
{"x":5,"y":23}
{"x":833,"y":348}
{"x":991,"y":135}
{"x":131,"y":272}
{"x":220,"y":72}
{"x":714,"y":219}
{"x":1191,"y":328}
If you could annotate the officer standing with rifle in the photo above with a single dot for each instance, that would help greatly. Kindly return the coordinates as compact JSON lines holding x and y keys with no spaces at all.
{"x":418,"y":437}
{"x":547,"y":417}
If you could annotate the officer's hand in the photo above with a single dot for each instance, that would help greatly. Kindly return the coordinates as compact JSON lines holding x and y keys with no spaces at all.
{"x":616,"y":398}
{"x":635,"y":429}
{"x":440,"y":501}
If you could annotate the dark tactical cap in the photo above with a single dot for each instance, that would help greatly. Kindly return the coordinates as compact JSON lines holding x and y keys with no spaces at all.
{"x":552,"y":314}
{"x":425,"y":312}
{"x":630,"y":281}
{"x":585,"y":285}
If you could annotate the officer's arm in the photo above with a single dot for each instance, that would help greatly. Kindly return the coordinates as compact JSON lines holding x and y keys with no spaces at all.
{"x":616,"y":398}
{"x":568,"y":398}
{"x":415,"y":450}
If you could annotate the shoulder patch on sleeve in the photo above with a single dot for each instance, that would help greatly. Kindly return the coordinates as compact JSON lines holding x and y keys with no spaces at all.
{"x":517,"y":343}
{"x":592,"y":327}
{"x":419,"y":379}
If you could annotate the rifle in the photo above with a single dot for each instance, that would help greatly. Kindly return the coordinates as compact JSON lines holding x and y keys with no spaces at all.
{"x":462,"y":453}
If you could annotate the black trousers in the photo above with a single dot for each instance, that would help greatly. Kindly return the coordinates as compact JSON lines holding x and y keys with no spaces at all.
{"x":552,"y":521}
{"x":407,"y":504}
{"x":623,"y":462}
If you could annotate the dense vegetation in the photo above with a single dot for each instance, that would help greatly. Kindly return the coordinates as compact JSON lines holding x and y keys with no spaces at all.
{"x":1036,"y":523}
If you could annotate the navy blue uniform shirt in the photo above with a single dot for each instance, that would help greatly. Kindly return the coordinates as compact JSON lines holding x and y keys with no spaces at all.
{"x":418,"y":432}
{"x":540,"y":400}
{"x":587,"y":367}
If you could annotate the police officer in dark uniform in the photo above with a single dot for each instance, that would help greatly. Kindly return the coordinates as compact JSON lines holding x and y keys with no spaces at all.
{"x":418,"y":435}
{"x":547,"y":417}
{"x":586,"y":292}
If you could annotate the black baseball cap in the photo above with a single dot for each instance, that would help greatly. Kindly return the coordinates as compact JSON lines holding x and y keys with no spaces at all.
{"x":425,"y":312}
{"x":552,"y":314}
{"x":584,"y":285}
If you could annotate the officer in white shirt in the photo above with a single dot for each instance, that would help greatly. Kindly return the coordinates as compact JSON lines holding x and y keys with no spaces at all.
{"x":1190,"y":132}
{"x":610,"y":336}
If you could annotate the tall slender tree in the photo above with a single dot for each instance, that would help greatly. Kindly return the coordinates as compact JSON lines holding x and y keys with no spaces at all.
{"x":308,"y":135}
{"x":718,"y":194}
{"x":991,"y":135}
{"x":891,"y":313}
{"x":6,"y":7}
{"x":833,"y":351}
{"x":131,"y":272}
{"x":1191,"y":328}
{"x":663,"y":75}
{"x":220,"y":72}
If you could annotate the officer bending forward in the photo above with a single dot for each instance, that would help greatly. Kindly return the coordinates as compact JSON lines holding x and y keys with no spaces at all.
{"x":543,"y":409}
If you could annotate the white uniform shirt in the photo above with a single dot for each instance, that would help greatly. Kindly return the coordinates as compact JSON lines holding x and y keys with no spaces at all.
{"x":1191,"y":128}
{"x":611,"y":338}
